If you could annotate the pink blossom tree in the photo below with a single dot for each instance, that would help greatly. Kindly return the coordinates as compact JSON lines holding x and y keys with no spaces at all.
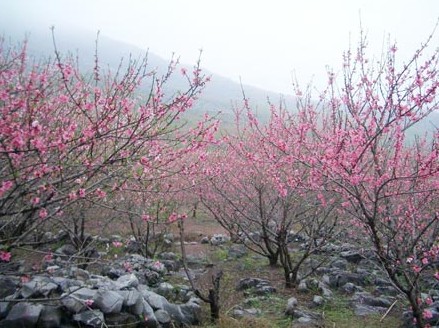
{"x":355,"y":140}
{"x":253,"y":194}
{"x":68,"y":138}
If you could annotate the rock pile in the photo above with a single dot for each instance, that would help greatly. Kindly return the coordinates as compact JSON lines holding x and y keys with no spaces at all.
{"x":74,"y":297}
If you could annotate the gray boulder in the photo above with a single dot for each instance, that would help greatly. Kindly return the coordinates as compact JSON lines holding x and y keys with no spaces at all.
{"x":90,"y":318}
{"x":75,"y":301}
{"x":24,"y":315}
{"x":51,"y":317}
{"x":291,"y":305}
{"x":108,"y":301}
{"x":127,"y":281}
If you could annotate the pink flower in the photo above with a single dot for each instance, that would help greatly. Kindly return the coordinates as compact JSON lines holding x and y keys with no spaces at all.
{"x":48,"y":257}
{"x":88,"y":302}
{"x":6,"y":185}
{"x":81,"y":192}
{"x":424,"y":261}
{"x":35,"y":200}
{"x":100,"y":193}
{"x":5,"y":256}
{"x":428,"y":301}
{"x":146,"y":218}
{"x":427,"y":314}
{"x":416,"y":268}
{"x":117,"y":244}
{"x":42,"y":213}
{"x":157,"y":265}
{"x":173,"y":217}
{"x":409,"y":260}
{"x":24,"y":279}
{"x":127,"y":266}
{"x":183,"y":71}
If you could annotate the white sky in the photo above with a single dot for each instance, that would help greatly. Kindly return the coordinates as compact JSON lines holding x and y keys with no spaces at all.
{"x":262,"y":42}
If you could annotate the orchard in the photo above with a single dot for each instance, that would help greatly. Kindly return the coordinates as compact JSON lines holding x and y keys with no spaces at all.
{"x":338,"y":167}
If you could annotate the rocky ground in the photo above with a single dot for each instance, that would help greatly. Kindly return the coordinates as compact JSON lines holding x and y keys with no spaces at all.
{"x":132,"y":291}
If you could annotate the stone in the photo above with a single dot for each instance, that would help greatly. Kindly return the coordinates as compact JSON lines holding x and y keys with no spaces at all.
{"x":247,"y":283}
{"x":365,"y":310}
{"x":75,"y":301}
{"x":350,"y":288}
{"x":23,"y":314}
{"x":340,"y":264}
{"x":291,"y":305}
{"x":191,"y":312}
{"x":148,"y":314}
{"x":130,"y":297}
{"x":352,"y":256}
{"x":8,"y":286}
{"x":318,"y":300}
{"x":204,"y":240}
{"x":91,"y":318}
{"x":127,"y":281}
{"x":166,"y":290}
{"x":163,"y":318}
{"x":122,"y":319}
{"x":108,"y":301}
{"x":303,"y":287}
{"x":340,"y":278}
{"x":51,"y":316}
{"x":365,"y":298}
{"x":156,"y":301}
{"x":237,"y":251}
{"x":67,"y":250}
{"x":38,"y":286}
{"x":219,"y":239}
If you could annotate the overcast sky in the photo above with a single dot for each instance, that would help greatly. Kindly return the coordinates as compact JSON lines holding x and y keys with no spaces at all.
{"x":262,"y":42}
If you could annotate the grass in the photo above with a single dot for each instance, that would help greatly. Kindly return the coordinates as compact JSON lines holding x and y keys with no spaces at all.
{"x":338,"y":313}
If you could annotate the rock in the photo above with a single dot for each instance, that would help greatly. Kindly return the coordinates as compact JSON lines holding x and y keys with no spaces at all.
{"x":219,"y":239}
{"x":75,"y":302}
{"x":350,"y":288}
{"x":108,"y":301}
{"x":156,"y":301}
{"x":67,"y":250}
{"x":127,"y":281}
{"x":259,"y":286}
{"x":326,"y":292}
{"x":204,"y":240}
{"x":352,"y":256}
{"x":23,"y":314}
{"x":38,"y":287}
{"x":122,"y":319}
{"x":291,"y":305}
{"x":370,"y":300}
{"x":91,"y":318}
{"x":51,"y":316}
{"x":303,"y":287}
{"x":8,"y":286}
{"x":5,"y":308}
{"x":365,"y":310}
{"x":341,"y":264}
{"x":168,"y":256}
{"x":171,"y":266}
{"x":340,"y":278}
{"x":191,"y":312}
{"x":237,"y":251}
{"x":166,"y":290}
{"x":247,"y":283}
{"x":148,"y":314}
{"x":130,"y":297}
{"x":163,"y":318}
{"x":318,"y":300}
